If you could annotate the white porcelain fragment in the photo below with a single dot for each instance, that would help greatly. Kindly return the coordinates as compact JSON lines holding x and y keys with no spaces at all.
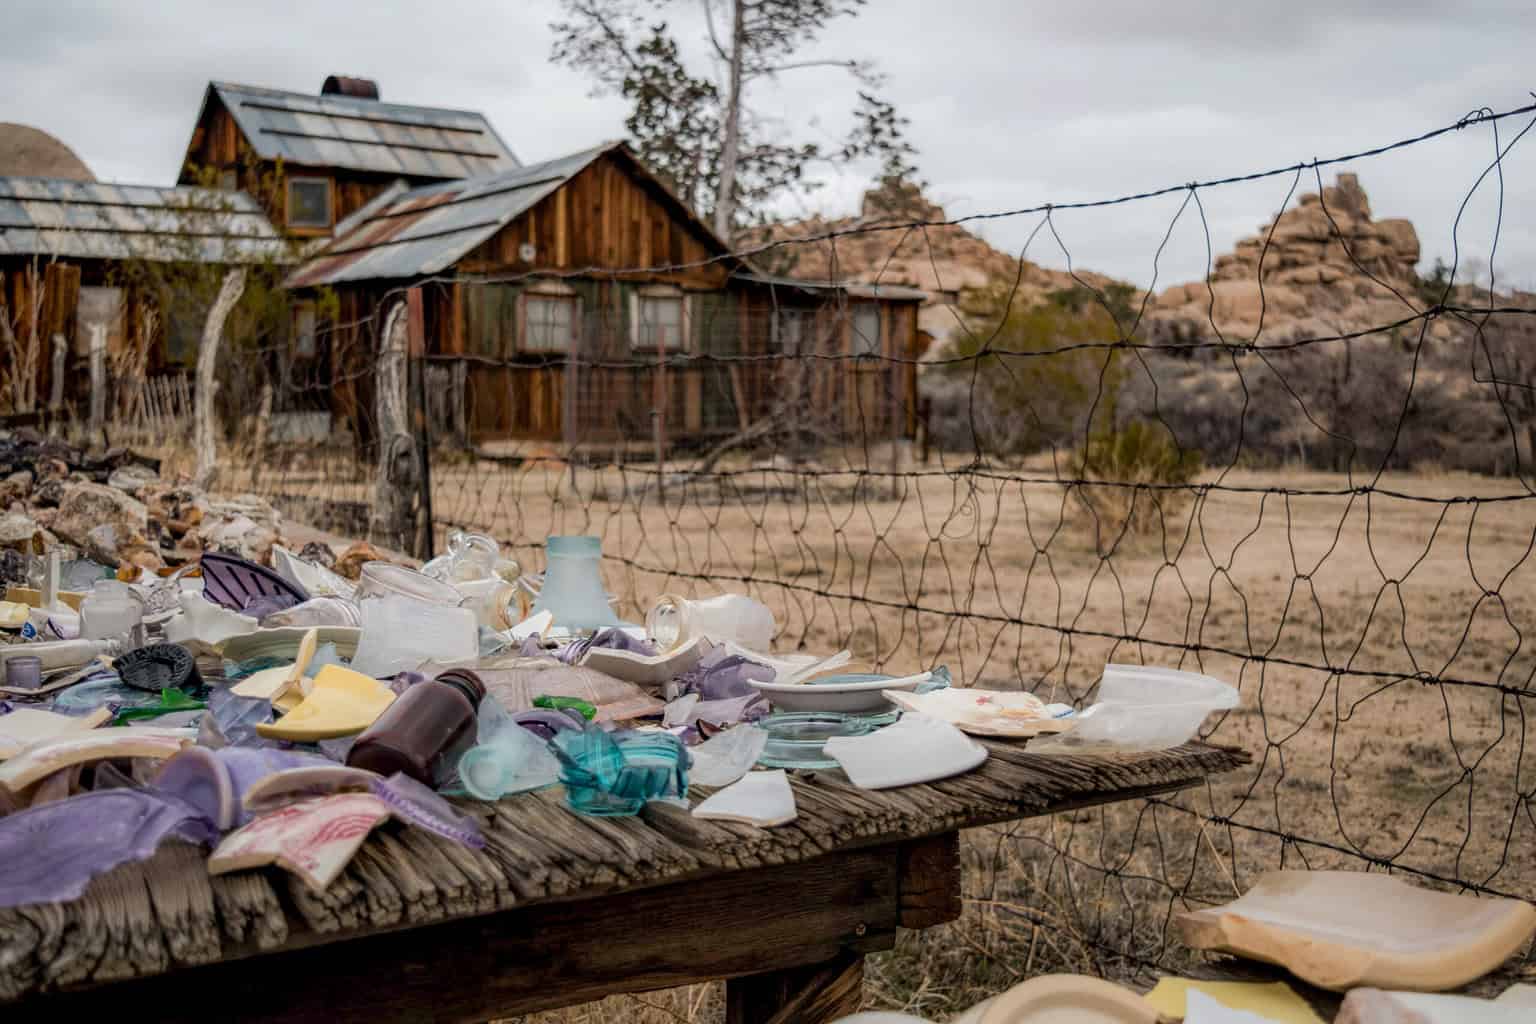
{"x":915,"y":749}
{"x":727,"y":756}
{"x":201,"y":619}
{"x":758,"y":798}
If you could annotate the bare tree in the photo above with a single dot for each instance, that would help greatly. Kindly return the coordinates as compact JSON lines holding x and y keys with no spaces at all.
{"x":207,"y":356}
{"x":699,"y":129}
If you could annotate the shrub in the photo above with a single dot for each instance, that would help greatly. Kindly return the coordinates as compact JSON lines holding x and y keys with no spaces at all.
{"x":1132,"y":480}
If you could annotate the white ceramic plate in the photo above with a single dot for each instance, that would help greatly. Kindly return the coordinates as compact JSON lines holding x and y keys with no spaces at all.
{"x":984,"y":712}
{"x":915,"y":749}
{"x":853,"y":697}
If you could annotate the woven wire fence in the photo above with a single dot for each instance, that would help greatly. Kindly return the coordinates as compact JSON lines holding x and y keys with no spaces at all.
{"x":1338,"y":520}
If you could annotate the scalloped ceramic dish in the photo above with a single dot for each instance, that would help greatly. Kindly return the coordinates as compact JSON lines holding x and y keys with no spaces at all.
{"x":849,"y":693}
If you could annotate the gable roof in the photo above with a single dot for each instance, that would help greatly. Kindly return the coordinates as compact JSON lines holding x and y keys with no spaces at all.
{"x":427,"y":230}
{"x":363,"y":134}
{"x":89,"y":220}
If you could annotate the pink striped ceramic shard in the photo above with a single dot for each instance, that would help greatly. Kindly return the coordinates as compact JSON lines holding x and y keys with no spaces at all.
{"x":314,"y":839}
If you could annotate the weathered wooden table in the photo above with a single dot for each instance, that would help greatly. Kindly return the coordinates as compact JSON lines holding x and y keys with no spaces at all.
{"x":558,"y":909}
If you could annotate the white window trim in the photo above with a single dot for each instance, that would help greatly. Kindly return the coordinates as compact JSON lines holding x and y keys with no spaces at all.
{"x":661,"y":292}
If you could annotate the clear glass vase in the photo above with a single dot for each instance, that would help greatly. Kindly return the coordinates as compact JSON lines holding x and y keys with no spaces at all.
{"x":572,"y":591}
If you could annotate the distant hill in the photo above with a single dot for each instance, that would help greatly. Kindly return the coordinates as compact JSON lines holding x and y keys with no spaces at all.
{"x":25,"y":150}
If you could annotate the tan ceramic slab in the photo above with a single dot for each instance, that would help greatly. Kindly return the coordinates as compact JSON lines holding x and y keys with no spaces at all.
{"x":1068,"y":999}
{"x":1373,"y":1006}
{"x":1342,"y":929}
{"x":27,"y":727}
{"x":314,"y":839}
{"x":33,"y":764}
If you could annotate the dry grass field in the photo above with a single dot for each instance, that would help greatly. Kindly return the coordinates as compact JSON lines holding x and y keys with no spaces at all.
{"x":1379,"y":632}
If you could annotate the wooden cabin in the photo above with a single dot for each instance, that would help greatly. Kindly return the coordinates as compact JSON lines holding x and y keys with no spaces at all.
{"x":578,"y":301}
{"x":67,"y":252}
{"x":337,"y":150}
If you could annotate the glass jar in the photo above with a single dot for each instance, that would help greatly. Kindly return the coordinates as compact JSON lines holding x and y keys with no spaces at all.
{"x":572,"y":591}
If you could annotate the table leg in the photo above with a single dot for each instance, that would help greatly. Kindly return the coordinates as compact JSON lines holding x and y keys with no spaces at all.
{"x":817,"y":994}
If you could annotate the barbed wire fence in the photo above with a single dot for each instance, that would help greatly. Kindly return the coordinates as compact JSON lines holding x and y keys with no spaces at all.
{"x":1338,"y":520}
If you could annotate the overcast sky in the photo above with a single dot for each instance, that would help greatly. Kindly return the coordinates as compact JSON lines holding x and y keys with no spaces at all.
{"x":1013,"y":102}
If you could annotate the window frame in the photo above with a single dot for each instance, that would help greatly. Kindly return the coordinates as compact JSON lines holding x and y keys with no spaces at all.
{"x":546,"y":293}
{"x":302,"y":308}
{"x":857,"y":339}
{"x":330,"y":203}
{"x":660,"y":293}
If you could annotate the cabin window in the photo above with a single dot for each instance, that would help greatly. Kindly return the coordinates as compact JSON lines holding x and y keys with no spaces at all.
{"x":660,"y":321}
{"x":866,"y":330}
{"x":304,"y":323}
{"x":229,"y":179}
{"x":793,"y":330}
{"x":309,"y":202}
{"x":549,"y":323}
{"x":490,"y":318}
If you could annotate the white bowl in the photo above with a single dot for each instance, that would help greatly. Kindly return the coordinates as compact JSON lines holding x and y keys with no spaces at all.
{"x":849,"y":694}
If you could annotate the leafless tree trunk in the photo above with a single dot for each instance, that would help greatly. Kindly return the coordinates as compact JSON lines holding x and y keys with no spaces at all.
{"x":205,"y":440}
{"x":730,"y":152}
{"x":56,"y":385}
{"x":263,"y":424}
{"x":98,"y":381}
{"x":391,"y":522}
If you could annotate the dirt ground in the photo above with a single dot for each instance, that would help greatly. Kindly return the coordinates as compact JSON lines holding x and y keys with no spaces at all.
{"x":1378,"y":632}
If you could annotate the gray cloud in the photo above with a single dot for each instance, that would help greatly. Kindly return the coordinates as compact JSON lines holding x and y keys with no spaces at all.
{"x":1013,"y":104}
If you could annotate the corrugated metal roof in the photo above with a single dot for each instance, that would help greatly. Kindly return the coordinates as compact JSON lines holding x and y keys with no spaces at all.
{"x":854,"y":289}
{"x":88,"y":220}
{"x":365,"y":135}
{"x":429,"y":229}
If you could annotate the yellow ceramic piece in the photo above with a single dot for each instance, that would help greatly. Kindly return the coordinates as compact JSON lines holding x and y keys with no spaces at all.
{"x":13,"y":614}
{"x":1275,"y":1001}
{"x":286,"y":702}
{"x":341,"y":703}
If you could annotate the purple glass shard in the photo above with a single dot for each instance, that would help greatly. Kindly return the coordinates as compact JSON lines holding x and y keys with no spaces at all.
{"x":238,"y":584}
{"x":50,"y":853}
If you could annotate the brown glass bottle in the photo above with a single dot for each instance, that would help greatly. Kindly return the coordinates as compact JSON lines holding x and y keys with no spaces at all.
{"x":425,"y":731}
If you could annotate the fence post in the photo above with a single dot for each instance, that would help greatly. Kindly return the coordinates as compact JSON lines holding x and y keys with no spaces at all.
{"x":390,"y":520}
{"x":416,"y":332}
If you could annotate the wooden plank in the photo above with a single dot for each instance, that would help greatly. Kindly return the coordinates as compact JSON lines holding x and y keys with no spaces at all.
{"x":521,"y":961}
{"x":930,"y":881}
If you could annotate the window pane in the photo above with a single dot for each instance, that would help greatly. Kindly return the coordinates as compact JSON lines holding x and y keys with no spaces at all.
{"x":304,"y":331}
{"x":309,"y":203}
{"x":866,"y":330}
{"x":793,"y":328}
{"x":661,"y":322}
{"x":549,"y":323}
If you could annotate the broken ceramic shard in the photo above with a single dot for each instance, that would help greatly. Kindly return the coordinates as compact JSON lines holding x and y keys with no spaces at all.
{"x":1374,"y":1006}
{"x":915,"y":749}
{"x":314,"y":838}
{"x":27,"y":727}
{"x":1272,"y":1001}
{"x":51,"y":853}
{"x":401,"y":633}
{"x":1067,"y":999}
{"x":341,"y":702}
{"x":203,"y":620}
{"x":316,"y":580}
{"x":216,"y":781}
{"x":36,"y":762}
{"x":650,"y":669}
{"x":1342,"y":929}
{"x":984,"y":712}
{"x":727,"y":756}
{"x":758,"y":798}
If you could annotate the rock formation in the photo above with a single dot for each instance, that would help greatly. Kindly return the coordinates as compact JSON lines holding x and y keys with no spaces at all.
{"x":1325,"y":264}
{"x":942,"y":260}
